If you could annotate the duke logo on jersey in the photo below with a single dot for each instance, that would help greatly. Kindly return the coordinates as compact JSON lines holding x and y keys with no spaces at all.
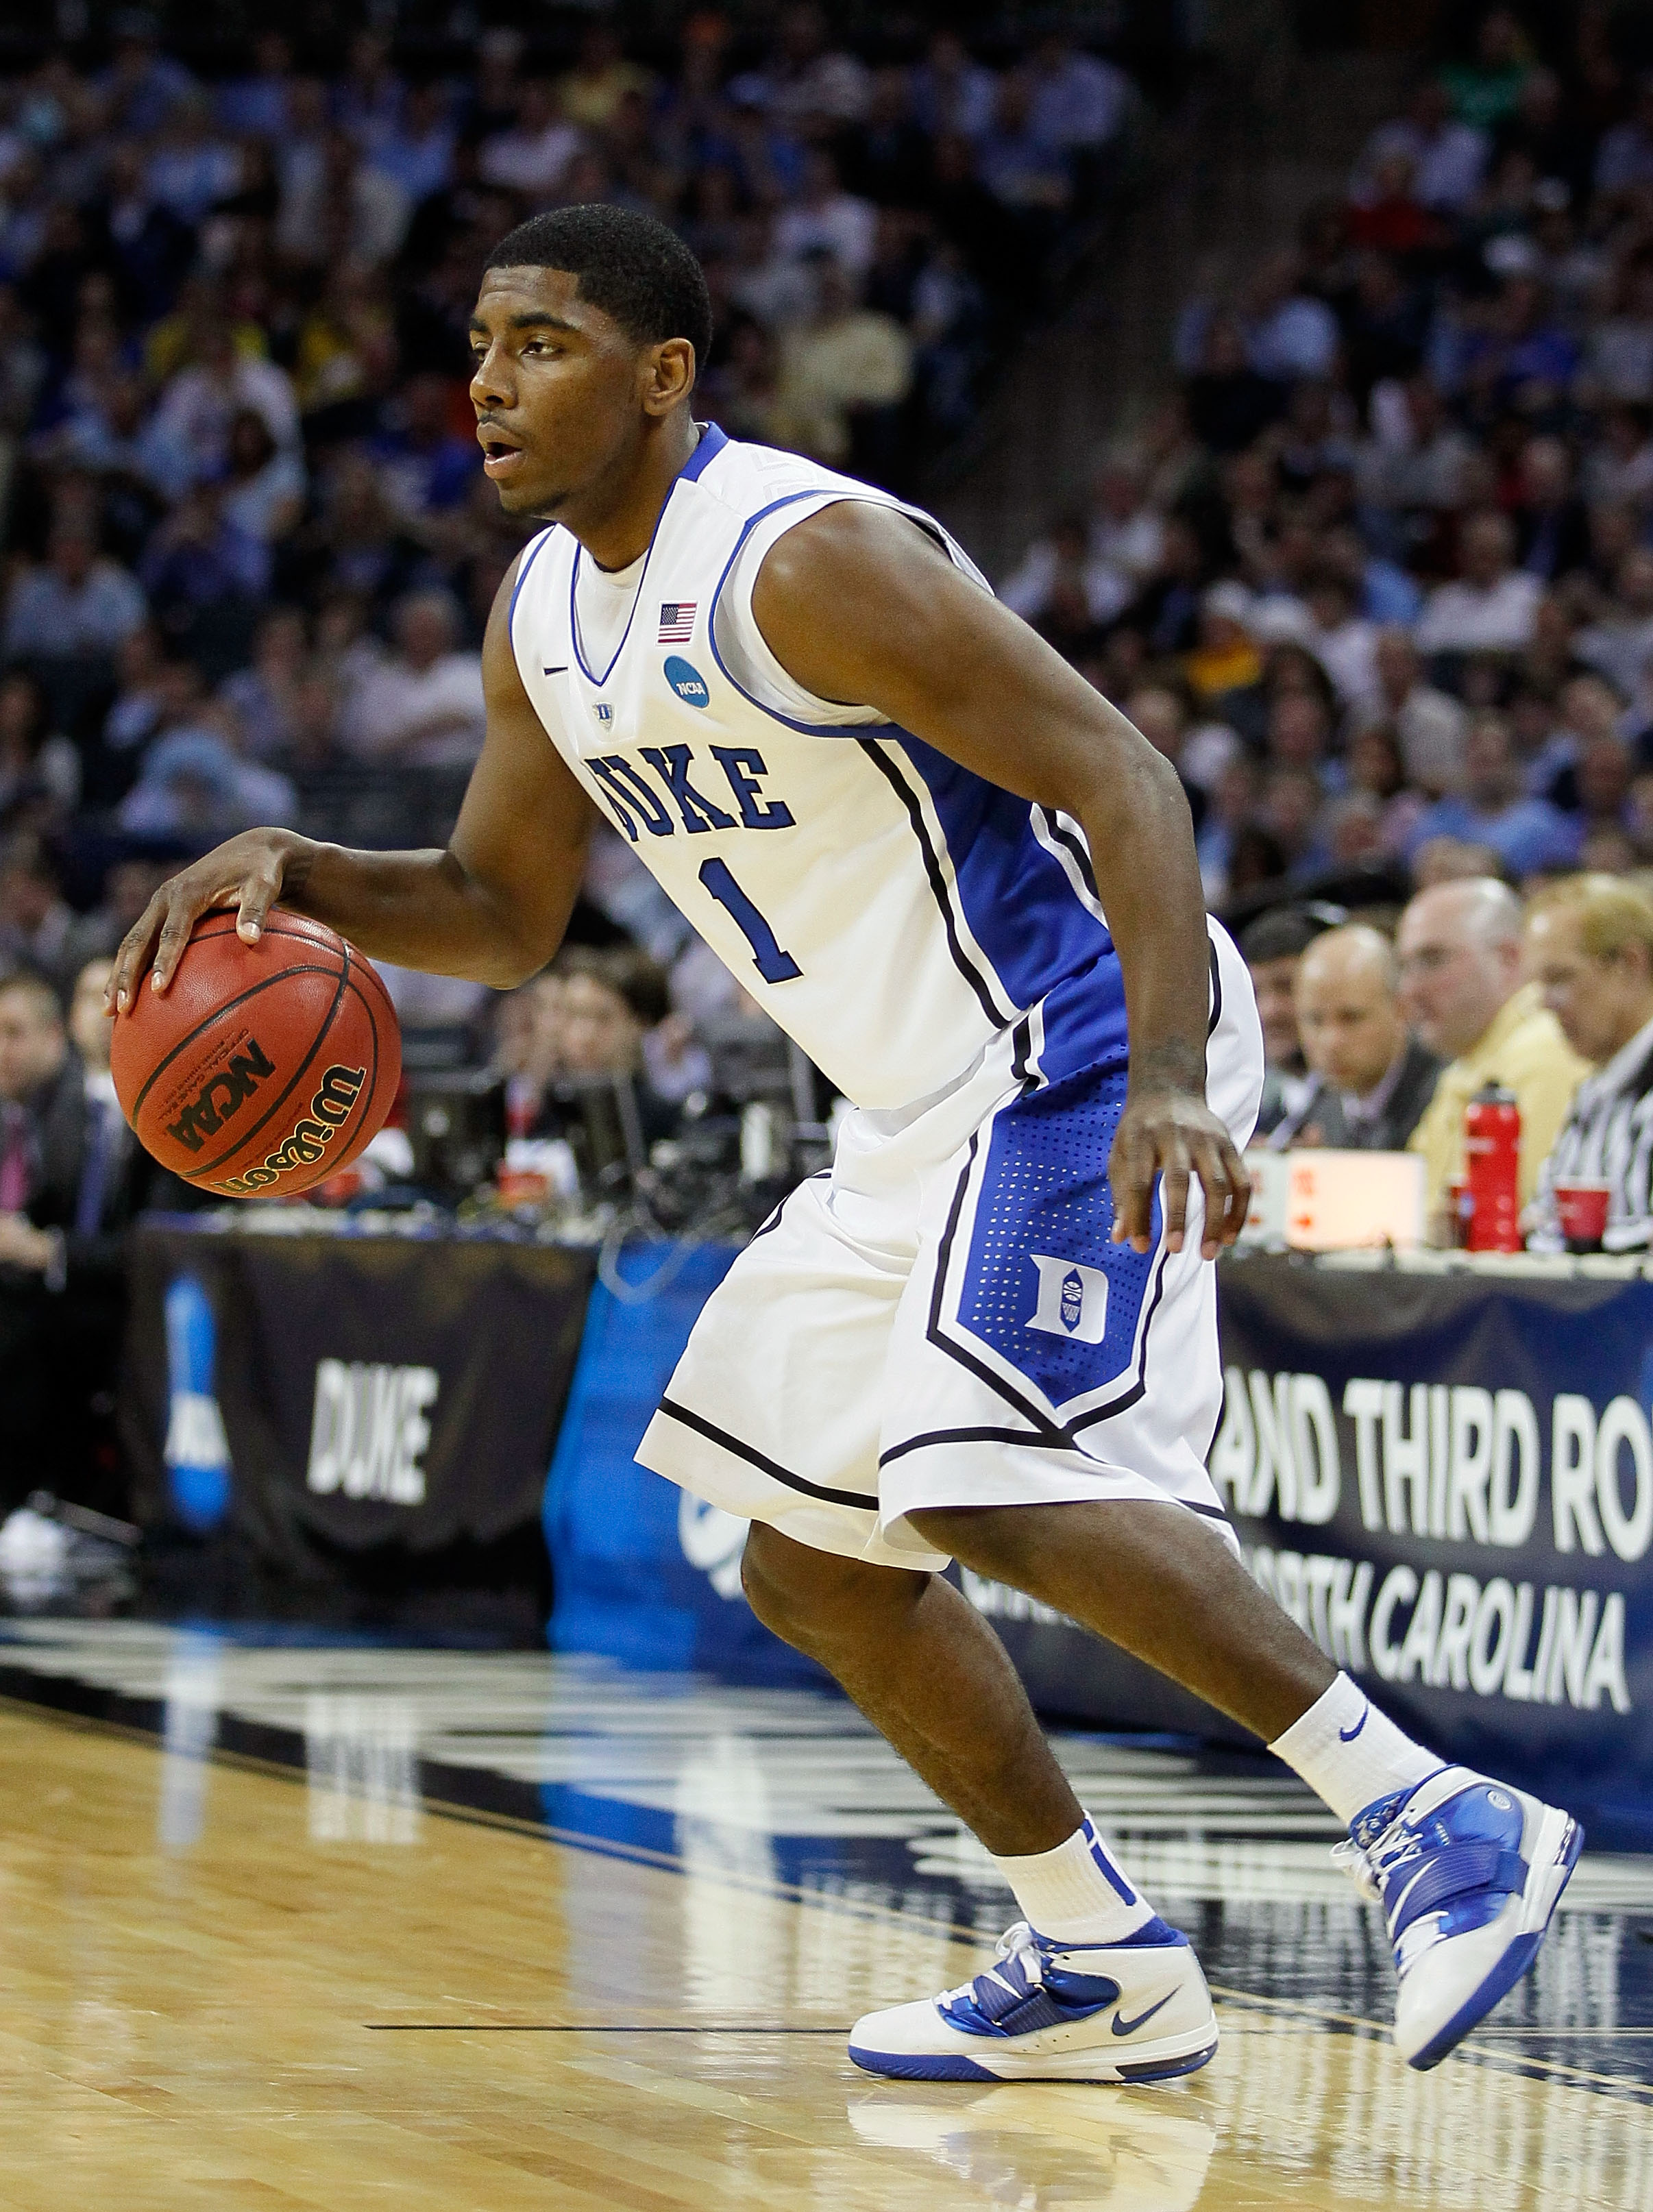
{"x":1072,"y":1300}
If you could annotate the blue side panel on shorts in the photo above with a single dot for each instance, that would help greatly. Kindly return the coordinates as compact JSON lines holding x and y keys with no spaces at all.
{"x":1040,"y":1263}
{"x":1018,"y":897}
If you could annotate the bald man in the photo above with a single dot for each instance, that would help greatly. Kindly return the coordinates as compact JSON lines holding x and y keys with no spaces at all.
{"x":1376,"y":1078}
{"x":1460,"y":948}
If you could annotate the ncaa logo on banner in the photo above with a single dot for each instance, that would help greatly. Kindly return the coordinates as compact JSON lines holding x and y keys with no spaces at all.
{"x":1073,"y":1300}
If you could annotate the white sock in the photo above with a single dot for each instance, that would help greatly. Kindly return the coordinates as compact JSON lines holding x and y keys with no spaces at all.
{"x":1349,"y":1753}
{"x":1076,"y":1893}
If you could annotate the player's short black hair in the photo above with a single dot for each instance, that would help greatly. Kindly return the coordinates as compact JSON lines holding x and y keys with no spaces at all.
{"x":628,"y":265}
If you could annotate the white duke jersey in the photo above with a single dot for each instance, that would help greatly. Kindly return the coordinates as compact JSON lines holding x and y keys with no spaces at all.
{"x":891,"y":910}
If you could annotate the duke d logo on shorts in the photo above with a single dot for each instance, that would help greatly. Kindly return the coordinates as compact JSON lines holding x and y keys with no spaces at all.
{"x":1073,"y":1300}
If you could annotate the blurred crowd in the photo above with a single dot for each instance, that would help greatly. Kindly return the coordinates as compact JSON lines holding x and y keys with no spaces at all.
{"x":249,"y":549}
{"x":1378,"y":573}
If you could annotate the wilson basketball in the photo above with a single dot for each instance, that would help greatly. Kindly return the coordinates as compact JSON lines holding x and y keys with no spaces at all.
{"x":263,"y":1068}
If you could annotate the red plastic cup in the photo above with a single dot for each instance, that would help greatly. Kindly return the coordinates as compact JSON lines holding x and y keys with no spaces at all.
{"x":1581,"y":1210}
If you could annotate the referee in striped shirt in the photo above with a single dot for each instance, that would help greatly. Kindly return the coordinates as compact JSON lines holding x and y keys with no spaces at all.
{"x":1590,"y":948}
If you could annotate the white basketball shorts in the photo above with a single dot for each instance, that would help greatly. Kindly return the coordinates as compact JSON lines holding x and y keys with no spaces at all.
{"x":941,"y":1319}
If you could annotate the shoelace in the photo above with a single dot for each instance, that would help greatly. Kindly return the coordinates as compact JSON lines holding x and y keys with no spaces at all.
{"x":1018,"y":1946}
{"x":1412,"y":1916}
{"x":1349,"y":1858}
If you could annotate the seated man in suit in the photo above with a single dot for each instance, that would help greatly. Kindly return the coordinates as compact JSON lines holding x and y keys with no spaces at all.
{"x":1373,"y":1079}
{"x":72,"y":1179}
{"x":1272,"y":947}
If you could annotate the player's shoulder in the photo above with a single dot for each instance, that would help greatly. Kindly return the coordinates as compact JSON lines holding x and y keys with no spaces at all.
{"x":751,"y":478}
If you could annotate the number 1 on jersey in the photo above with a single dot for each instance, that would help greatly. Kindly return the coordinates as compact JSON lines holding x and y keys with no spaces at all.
{"x":773,"y":964}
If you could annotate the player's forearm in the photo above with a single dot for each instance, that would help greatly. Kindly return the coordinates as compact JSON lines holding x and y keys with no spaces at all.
{"x":418,"y":910}
{"x":1141,"y":839}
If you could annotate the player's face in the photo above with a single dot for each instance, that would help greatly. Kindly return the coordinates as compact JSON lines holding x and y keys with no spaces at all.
{"x":561,"y":391}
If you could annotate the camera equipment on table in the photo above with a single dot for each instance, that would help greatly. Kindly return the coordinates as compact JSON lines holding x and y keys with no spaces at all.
{"x":456,"y":1124}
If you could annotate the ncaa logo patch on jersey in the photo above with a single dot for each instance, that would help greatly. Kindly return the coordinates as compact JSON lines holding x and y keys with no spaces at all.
{"x":1072,"y":1300}
{"x":687,"y":681}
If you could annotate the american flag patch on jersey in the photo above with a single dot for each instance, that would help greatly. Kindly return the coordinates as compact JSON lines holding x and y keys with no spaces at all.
{"x":677,"y":622}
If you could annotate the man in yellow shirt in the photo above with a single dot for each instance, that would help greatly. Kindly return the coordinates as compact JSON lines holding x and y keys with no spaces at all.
{"x":1459,"y":950}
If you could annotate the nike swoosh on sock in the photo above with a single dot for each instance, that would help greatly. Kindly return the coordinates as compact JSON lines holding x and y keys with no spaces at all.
{"x":1348,"y":1736}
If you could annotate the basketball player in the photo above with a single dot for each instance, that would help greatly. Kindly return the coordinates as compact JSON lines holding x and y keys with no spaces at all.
{"x":962,"y":882}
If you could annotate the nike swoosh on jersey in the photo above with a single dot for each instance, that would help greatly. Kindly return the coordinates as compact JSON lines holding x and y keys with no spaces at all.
{"x":1123,"y":2026}
{"x":1348,"y":1736}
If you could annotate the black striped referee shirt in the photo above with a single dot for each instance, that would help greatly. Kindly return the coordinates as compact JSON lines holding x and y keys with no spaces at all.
{"x":1608,"y":1137}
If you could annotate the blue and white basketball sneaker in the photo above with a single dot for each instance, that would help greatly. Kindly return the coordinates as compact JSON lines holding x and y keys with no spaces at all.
{"x":1469,"y":1873}
{"x":1135,"y":2011}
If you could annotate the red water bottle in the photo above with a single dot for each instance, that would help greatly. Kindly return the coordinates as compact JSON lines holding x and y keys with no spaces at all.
{"x":1492,"y":1144}
{"x":521,"y":1104}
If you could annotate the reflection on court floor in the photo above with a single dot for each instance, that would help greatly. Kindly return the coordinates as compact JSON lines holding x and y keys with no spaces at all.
{"x":536,"y":1927}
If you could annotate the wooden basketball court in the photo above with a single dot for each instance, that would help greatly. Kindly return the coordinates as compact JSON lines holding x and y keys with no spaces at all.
{"x":257,"y":1952}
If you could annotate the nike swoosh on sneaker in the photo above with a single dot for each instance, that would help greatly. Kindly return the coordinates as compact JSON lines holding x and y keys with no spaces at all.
{"x":1348,"y":1736}
{"x":1123,"y":2026}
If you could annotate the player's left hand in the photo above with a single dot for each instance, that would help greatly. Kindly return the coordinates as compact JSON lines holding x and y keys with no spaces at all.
{"x":1175,"y":1134}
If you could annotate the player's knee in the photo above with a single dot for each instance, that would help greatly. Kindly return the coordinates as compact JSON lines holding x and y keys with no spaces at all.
{"x":806,"y":1596}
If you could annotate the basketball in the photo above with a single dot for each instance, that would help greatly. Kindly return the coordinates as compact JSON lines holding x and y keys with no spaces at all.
{"x":263,"y":1068}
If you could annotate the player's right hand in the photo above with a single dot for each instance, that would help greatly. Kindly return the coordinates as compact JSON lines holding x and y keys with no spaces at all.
{"x":249,"y":872}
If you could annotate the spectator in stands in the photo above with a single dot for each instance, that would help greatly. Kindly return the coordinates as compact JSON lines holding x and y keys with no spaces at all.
{"x":1375,"y":1078}
{"x":1485,"y":89}
{"x":600,"y":1011}
{"x":264,"y":487}
{"x":1061,"y":587}
{"x":78,"y":603}
{"x":39,"y":768}
{"x":71,"y":1180}
{"x":205,"y":575}
{"x":38,"y":928}
{"x":531,"y":155}
{"x":222,"y":380}
{"x":1079,"y":101}
{"x":1492,"y":606}
{"x":1624,"y":162}
{"x":825,"y":219}
{"x":1430,"y":723}
{"x":262,"y":694}
{"x":1225,"y":660}
{"x":423,"y":705}
{"x":128,"y":888}
{"x":197,"y":787}
{"x":1290,"y":335}
{"x":1127,"y":527}
{"x":1460,"y":948}
{"x":1446,"y":156}
{"x":1272,"y":947}
{"x":953,"y":95}
{"x":843,"y":374}
{"x":1529,"y":834}
{"x":1590,"y":951}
